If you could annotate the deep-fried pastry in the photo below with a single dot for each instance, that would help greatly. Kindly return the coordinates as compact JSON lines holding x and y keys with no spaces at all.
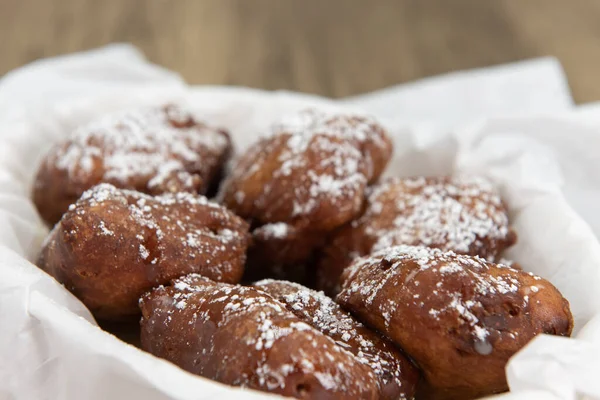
{"x":397,"y":377}
{"x":308,"y":177}
{"x":460,"y":318}
{"x":113,"y":245}
{"x":152,"y":150}
{"x":243,"y":337}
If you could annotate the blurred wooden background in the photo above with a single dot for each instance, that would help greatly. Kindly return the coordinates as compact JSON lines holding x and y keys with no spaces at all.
{"x":330,"y":47}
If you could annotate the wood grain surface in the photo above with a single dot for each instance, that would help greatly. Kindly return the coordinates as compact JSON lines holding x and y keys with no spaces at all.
{"x":329,"y":47}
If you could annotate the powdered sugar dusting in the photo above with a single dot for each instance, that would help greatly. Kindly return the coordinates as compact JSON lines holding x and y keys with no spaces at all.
{"x":337,"y":139}
{"x":144,"y":253}
{"x":449,"y":268}
{"x":307,"y":123}
{"x":320,"y":158}
{"x":322,"y":313}
{"x":279,"y":230}
{"x":458,"y":214}
{"x":221,"y":304}
{"x":104,"y":229}
{"x":327,"y":317}
{"x":143,"y":211}
{"x":164,"y":147}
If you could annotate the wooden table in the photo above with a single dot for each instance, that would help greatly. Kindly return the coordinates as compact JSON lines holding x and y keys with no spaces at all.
{"x":330,"y":47}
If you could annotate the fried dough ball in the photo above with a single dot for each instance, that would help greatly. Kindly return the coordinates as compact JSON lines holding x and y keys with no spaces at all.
{"x":113,"y":245}
{"x":462,"y":214}
{"x":310,"y":174}
{"x":460,"y":318}
{"x":397,"y":377}
{"x":153,"y":150}
{"x":243,"y":337}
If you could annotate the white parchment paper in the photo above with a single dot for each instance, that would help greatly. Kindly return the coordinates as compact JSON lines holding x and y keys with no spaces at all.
{"x":487,"y":122}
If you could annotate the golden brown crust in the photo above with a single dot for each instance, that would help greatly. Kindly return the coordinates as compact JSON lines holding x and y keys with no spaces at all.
{"x":152,"y":150}
{"x":112,"y":245}
{"x":310,"y":174}
{"x":397,"y":377}
{"x":243,"y":337}
{"x":460,"y":318}
{"x":462,"y":214}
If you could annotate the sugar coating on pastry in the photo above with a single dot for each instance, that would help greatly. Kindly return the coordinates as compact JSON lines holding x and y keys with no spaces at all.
{"x":338,"y":143}
{"x":316,"y":157}
{"x":277,"y":230}
{"x":459,"y":317}
{"x":463,"y":214}
{"x":457,"y":214}
{"x":244,"y":337}
{"x":153,"y":150}
{"x":352,"y":135}
{"x":157,"y":213}
{"x":114,"y":244}
{"x":396,"y":374}
{"x":152,"y":142}
{"x":473,"y":269}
